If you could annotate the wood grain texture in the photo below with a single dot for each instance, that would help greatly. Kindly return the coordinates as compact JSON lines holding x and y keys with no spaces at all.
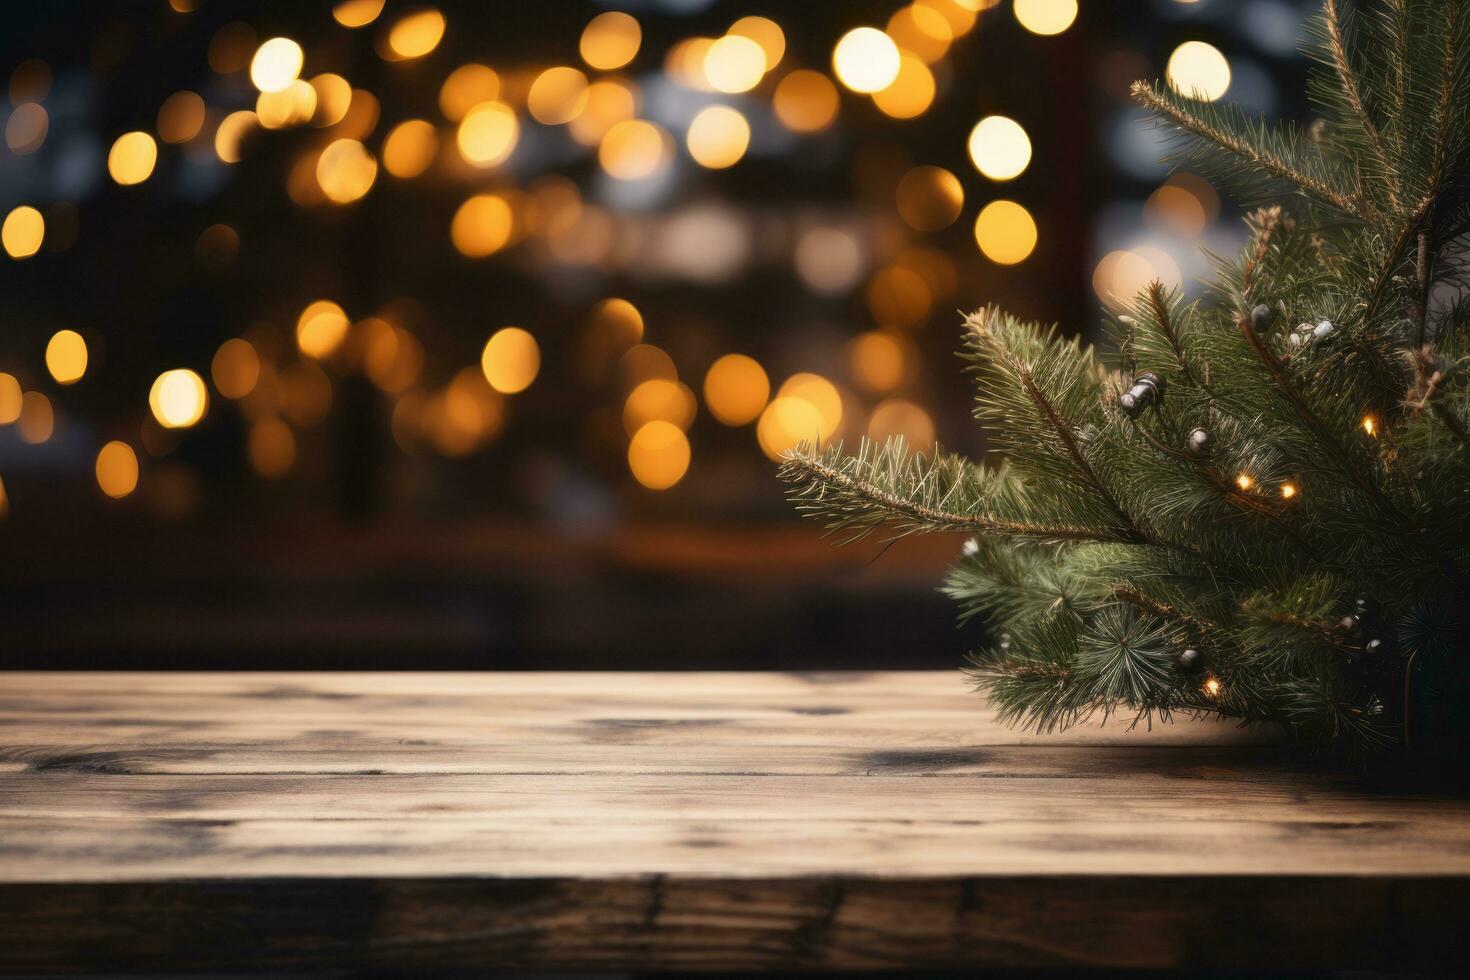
{"x":231,"y":821}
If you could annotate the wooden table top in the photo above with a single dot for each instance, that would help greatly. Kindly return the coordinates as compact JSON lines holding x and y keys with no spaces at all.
{"x":720,"y":820}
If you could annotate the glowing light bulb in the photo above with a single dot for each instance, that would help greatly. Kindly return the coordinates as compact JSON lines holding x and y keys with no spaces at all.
{"x":1212,"y":687}
{"x":1244,"y":481}
{"x":1370,"y":425}
{"x":276,"y":64}
{"x":866,"y":60}
{"x":1288,"y":490}
{"x":178,"y":398}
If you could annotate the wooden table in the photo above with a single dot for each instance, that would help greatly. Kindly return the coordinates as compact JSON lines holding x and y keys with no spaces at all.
{"x":268,"y":821}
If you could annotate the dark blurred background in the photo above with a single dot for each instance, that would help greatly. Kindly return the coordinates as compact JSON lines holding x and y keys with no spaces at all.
{"x":260,"y":407}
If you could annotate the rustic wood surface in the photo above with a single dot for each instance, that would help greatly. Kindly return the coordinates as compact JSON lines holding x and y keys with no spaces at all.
{"x":391,"y":821}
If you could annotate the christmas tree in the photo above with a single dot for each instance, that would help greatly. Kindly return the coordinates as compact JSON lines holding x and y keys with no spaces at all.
{"x":1254,"y":505}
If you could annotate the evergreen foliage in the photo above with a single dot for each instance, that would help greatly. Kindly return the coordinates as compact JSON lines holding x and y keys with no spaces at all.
{"x":1310,"y":545}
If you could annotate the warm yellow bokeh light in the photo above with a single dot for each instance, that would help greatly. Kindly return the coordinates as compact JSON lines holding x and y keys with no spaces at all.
{"x":409,"y":148}
{"x":277,"y":63}
{"x":736,"y":389}
{"x":415,"y":34}
{"x":23,"y":232}
{"x":37,"y":419}
{"x":765,"y":32}
{"x":466,"y":87}
{"x":488,"y":134}
{"x":806,"y":101}
{"x":26,"y":128}
{"x":321,"y":328}
{"x":1005,"y":232}
{"x":866,"y":60}
{"x":609,"y":102}
{"x":718,"y":137}
{"x":610,"y":40}
{"x":66,"y":357}
{"x":786,"y":423}
{"x":911,"y":92}
{"x":510,"y":360}
{"x":922,"y":31}
{"x":899,"y":296}
{"x":897,"y":418}
{"x":353,"y":14}
{"x":117,"y":469}
{"x":734,"y":64}
{"x":180,"y":117}
{"x":999,"y":147}
{"x":333,"y":100}
{"x":272,"y":448}
{"x":482,"y":225}
{"x":231,"y":134}
{"x":879,"y":360}
{"x":633,"y":150}
{"x":10,"y":398}
{"x":132,"y":157}
{"x":286,"y":108}
{"x":821,"y":394}
{"x":929,"y":198}
{"x":178,"y":398}
{"x":658,"y":455}
{"x":1046,"y":17}
{"x":1198,"y":70}
{"x":558,"y":95}
{"x":346,"y":171}
{"x":664,"y":399}
{"x":235,"y":368}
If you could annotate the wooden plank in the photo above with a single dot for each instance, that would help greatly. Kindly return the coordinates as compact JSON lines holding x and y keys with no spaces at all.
{"x":149,"y":821}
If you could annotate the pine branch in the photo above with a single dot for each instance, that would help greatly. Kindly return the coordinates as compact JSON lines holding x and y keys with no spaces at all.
{"x":863,"y":492}
{"x":1259,"y":156}
{"x":1349,"y":81}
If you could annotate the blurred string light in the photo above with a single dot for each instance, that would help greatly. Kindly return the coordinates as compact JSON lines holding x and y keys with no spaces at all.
{"x":466,"y":87}
{"x":413,"y":35}
{"x":511,"y":359}
{"x":482,"y":225}
{"x":999,"y":148}
{"x":409,"y":148}
{"x":929,"y":198}
{"x":10,"y":398}
{"x":346,"y":171}
{"x":235,"y":368}
{"x":23,"y":231}
{"x":353,"y":14}
{"x":734,"y":63}
{"x":736,"y":389}
{"x":662,"y":399}
{"x":276,"y":64}
{"x":634,"y":150}
{"x":1005,"y":232}
{"x":910,"y":93}
{"x":320,"y":329}
{"x":181,"y":117}
{"x":26,"y":128}
{"x":658,"y":455}
{"x":481,"y":106}
{"x":178,"y":399}
{"x":132,"y":158}
{"x":1198,"y":69}
{"x":897,"y":417}
{"x":117,"y":469}
{"x":866,"y":60}
{"x":37,"y":419}
{"x":610,"y":40}
{"x":66,"y":357}
{"x":557,"y":96}
{"x":806,"y":101}
{"x":488,"y":133}
{"x":718,"y":137}
{"x":1045,"y":17}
